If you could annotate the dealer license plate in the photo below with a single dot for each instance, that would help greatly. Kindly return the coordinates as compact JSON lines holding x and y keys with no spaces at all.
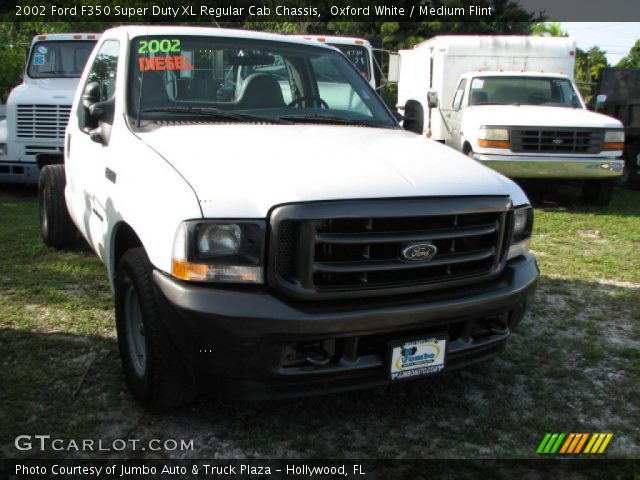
{"x":415,"y":358}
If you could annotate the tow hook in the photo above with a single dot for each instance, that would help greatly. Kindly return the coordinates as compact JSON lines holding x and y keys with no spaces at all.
{"x":315,"y":354}
{"x":499,"y":325}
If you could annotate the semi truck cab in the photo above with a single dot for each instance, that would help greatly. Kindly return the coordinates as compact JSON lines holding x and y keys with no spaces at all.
{"x":31,"y":136}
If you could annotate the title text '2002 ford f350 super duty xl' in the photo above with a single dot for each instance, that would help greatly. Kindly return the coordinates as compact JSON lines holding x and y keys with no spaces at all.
{"x":268,"y":228}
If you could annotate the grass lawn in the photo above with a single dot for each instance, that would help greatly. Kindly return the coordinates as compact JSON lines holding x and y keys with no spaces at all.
{"x":573,"y":366}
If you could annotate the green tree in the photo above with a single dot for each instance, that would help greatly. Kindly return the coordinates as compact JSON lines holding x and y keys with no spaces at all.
{"x":548,"y":29}
{"x":633,"y":59}
{"x":588,"y":66}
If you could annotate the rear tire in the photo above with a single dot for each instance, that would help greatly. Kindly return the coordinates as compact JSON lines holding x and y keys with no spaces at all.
{"x":154,"y":370}
{"x":598,"y":192}
{"x":56,"y":226}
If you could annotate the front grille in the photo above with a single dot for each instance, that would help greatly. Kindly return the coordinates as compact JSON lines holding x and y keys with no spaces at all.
{"x":42,"y":121}
{"x":342,"y":249}
{"x":557,"y":140}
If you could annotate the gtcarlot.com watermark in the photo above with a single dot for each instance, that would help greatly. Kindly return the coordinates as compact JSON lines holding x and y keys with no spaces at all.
{"x":47,"y":443}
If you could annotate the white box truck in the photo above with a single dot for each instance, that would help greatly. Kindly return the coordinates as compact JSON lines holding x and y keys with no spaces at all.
{"x":510,"y":103}
{"x":32,"y":134}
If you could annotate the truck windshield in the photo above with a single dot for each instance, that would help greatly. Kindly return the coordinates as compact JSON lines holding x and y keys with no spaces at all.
{"x":358,"y":55}
{"x":242,"y":80}
{"x":59,"y":59}
{"x":525,"y":90}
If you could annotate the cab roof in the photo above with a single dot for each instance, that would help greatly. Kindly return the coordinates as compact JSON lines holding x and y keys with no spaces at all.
{"x":335,"y":39}
{"x":43,"y":37}
{"x":143,"y":30}
{"x":515,"y":73}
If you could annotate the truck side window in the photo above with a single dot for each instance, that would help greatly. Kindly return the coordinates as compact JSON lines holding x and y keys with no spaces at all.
{"x":457,"y":99}
{"x":103,"y":69}
{"x":335,"y":89}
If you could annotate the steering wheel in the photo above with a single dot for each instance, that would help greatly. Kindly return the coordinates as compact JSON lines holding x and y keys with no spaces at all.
{"x":299,"y":100}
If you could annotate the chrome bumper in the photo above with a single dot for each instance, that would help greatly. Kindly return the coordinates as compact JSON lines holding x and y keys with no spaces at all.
{"x":529,"y":166}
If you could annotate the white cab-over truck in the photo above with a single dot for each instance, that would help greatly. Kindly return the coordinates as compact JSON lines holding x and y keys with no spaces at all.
{"x":269,"y":248}
{"x":509,"y":102}
{"x":31,"y":136}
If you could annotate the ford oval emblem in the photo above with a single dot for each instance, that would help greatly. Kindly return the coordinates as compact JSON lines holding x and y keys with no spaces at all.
{"x":419,"y":252}
{"x":557,"y":141}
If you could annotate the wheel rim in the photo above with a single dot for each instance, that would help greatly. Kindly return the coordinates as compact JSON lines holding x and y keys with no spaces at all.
{"x":134,"y":331}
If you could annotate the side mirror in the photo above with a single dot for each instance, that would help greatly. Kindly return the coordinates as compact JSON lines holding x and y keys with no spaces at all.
{"x":413,"y":117}
{"x":91,"y":94}
{"x":432,"y":99}
{"x":600,"y":99}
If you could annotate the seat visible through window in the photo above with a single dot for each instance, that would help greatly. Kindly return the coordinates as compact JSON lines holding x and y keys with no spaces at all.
{"x":261,"y":90}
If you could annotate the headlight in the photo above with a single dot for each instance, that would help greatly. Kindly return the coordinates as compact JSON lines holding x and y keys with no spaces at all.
{"x":521,"y":231}
{"x":493,"y":137}
{"x":219,"y":251}
{"x":613,"y":140}
{"x":3,"y":148}
{"x":219,"y":240}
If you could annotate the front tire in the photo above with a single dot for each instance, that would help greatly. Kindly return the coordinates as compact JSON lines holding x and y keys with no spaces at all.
{"x":56,"y":227}
{"x":598,"y":192}
{"x":154,"y":370}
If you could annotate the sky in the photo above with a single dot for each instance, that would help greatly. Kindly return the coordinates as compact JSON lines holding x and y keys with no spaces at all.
{"x":615,"y":38}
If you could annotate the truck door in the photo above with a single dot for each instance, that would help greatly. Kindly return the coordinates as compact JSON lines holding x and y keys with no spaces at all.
{"x":453,"y":117}
{"x":89,"y":175}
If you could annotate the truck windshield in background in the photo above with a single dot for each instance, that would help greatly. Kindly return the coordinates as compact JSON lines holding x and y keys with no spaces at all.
{"x":514,"y":90}
{"x":238,"y":76}
{"x":358,"y":55}
{"x":59,"y":59}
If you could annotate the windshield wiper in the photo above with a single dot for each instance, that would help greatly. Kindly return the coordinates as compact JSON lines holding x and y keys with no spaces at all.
{"x":318,"y":118}
{"x":216,"y":113}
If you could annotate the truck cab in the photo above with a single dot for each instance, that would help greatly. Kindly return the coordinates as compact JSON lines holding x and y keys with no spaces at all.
{"x":268,"y":238}
{"x":37,"y":111}
{"x":511,"y":104}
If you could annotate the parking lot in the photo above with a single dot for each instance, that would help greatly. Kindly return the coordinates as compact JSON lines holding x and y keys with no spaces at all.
{"x":573,"y":366}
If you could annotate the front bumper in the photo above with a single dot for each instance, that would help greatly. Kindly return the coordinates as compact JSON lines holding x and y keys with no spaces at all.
{"x":531,"y":166}
{"x":240,"y":342}
{"x":18,"y":172}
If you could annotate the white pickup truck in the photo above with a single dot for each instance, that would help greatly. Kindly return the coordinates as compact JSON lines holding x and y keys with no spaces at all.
{"x":510,"y":103}
{"x":264,"y":248}
{"x":37,"y":112}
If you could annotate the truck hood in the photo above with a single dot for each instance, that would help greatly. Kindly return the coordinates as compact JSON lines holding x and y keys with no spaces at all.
{"x":531,"y":115}
{"x":46,"y":91}
{"x":240,"y":170}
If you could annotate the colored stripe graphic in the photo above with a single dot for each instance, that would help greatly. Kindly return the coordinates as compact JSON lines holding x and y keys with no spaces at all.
{"x":598,"y":443}
{"x":573,"y":443}
{"x":550,"y":443}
